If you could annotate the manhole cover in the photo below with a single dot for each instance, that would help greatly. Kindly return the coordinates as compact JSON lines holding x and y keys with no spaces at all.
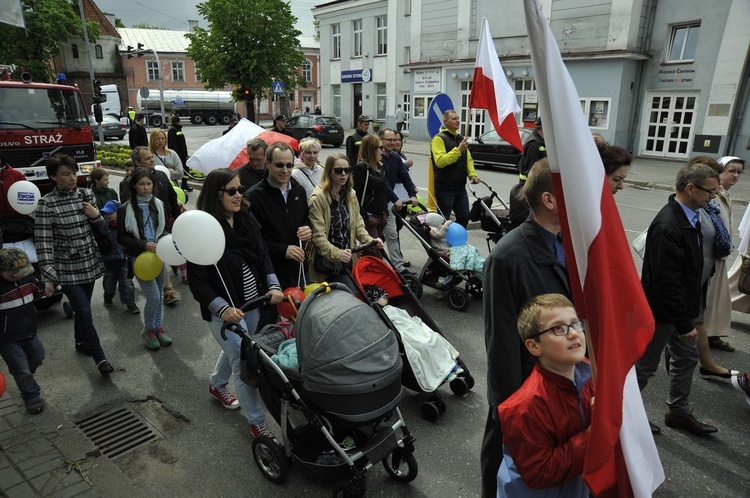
{"x":119,"y":431}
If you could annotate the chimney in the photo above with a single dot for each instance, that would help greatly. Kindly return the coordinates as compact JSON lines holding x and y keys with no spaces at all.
{"x":110,"y":18}
{"x":192,"y":24}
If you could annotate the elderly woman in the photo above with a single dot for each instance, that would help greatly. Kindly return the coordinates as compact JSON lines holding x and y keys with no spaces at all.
{"x":337,"y":226}
{"x":309,"y":171}
{"x":157,"y":144}
{"x":244,"y":272}
{"x":67,"y":252}
{"x":371,"y":186}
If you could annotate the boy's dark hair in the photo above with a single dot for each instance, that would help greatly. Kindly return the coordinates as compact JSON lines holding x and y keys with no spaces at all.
{"x":55,"y":162}
{"x":139,"y":116}
{"x":209,"y":199}
{"x":528,"y":317}
{"x":98,"y":173}
{"x":128,"y":163}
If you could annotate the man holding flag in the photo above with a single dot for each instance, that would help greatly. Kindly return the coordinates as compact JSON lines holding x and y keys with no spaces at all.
{"x":621,"y":459}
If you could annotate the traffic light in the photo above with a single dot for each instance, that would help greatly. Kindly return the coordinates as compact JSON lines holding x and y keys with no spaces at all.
{"x":130,"y":51}
{"x":140,"y":50}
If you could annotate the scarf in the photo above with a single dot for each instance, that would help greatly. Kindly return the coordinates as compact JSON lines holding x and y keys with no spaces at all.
{"x":722,"y":242}
{"x":131,"y":224}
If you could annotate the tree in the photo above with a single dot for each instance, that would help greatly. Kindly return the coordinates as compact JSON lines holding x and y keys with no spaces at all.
{"x":143,"y":25}
{"x":48,"y":22}
{"x":247,"y":47}
{"x":119,"y":23}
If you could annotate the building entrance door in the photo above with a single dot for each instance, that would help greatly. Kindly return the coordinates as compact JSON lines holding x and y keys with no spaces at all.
{"x":669,"y":124}
{"x":357,"y":104}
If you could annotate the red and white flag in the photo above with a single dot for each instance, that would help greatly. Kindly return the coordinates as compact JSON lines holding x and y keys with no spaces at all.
{"x":230,"y":151}
{"x":621,"y":459}
{"x":490,"y":90}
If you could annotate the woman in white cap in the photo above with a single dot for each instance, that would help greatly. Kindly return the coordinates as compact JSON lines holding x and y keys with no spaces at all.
{"x":308,"y":171}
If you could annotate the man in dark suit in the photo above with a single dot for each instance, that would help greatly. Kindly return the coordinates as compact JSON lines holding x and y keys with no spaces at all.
{"x":137,"y":135}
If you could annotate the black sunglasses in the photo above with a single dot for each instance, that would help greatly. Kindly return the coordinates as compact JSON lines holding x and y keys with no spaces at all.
{"x":341,"y":171}
{"x":232,"y":191}
{"x":284,"y":165}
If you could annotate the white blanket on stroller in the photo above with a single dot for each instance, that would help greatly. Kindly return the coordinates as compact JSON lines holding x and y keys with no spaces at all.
{"x":430,"y":355}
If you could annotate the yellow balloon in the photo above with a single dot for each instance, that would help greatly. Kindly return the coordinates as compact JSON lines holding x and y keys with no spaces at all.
{"x":180,"y":194}
{"x":147,"y":266}
{"x":309,"y":288}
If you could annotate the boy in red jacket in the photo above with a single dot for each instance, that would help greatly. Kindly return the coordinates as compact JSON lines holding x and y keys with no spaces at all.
{"x":545,"y":423}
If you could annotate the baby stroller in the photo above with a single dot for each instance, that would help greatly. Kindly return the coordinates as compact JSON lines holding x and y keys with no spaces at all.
{"x":437,"y":273}
{"x":496,"y":222}
{"x":338,"y":411}
{"x":17,"y":230}
{"x":372,"y":271}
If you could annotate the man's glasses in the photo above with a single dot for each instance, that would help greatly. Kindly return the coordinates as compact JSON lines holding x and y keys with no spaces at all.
{"x":381,"y":147}
{"x":232,"y":191}
{"x":562,"y":329}
{"x":341,"y":171}
{"x":284,"y":165}
{"x":709,"y":192}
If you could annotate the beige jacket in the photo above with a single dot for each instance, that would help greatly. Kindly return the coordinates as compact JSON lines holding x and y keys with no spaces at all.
{"x":320,"y":222}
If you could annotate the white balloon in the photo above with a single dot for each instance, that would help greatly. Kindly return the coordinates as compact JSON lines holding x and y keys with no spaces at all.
{"x":163,"y":169}
{"x":24,"y":196}
{"x":168,"y":252}
{"x":199,"y":237}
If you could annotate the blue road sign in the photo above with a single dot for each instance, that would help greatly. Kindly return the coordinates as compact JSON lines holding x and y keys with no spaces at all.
{"x":439,"y":105}
{"x":278,"y":88}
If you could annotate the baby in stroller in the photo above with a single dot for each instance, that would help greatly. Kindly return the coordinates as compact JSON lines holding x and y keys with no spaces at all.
{"x":462,"y":257}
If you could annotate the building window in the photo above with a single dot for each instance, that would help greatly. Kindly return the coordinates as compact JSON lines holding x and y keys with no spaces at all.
{"x":152,"y":70}
{"x":407,"y":55}
{"x":596,"y":112}
{"x":307,"y":70}
{"x":382,"y":28}
{"x":198,"y":77}
{"x":406,"y":106}
{"x":407,"y":8}
{"x":98,"y":52}
{"x":74,"y":47}
{"x":336,"y":92}
{"x":682,"y":43}
{"x":178,"y":71}
{"x":336,"y":40}
{"x":357,"y":30}
{"x":380,"y":101}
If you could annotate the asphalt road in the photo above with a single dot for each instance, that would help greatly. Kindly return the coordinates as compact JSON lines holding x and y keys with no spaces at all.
{"x":207,"y":451}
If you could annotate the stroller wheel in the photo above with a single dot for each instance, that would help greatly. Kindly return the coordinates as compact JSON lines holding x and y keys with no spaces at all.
{"x":353,"y":488}
{"x":430,"y":411}
{"x":414,"y":284}
{"x":401,"y":466}
{"x":458,"y":299}
{"x":438,"y":400}
{"x":469,"y":382}
{"x":459,"y":386}
{"x":474,"y":289}
{"x":270,"y":459}
{"x":68,"y":309}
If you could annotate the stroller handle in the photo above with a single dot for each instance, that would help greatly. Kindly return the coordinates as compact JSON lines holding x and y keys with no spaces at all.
{"x":248,"y":305}
{"x":419,"y":205}
{"x":364,"y":246}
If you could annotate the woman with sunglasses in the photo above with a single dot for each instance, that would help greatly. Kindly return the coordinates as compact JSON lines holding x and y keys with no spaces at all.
{"x":337,"y":226}
{"x":371,"y":187}
{"x":243,"y":273}
{"x":142,"y":221}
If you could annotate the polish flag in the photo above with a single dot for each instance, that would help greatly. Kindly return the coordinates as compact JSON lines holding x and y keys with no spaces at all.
{"x":490,"y":90}
{"x":621,"y":459}
{"x":230,"y":150}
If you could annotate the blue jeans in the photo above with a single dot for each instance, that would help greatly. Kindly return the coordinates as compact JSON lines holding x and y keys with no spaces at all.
{"x":228,"y":365}
{"x":153,"y":312}
{"x":23,"y":358}
{"x":456,"y":201}
{"x":116,"y":271}
{"x":83,"y":323}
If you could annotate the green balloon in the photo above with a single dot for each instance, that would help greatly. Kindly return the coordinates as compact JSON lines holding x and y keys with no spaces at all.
{"x":180,"y":194}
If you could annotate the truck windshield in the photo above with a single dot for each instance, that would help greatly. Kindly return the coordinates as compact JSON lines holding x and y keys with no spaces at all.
{"x":41,"y":108}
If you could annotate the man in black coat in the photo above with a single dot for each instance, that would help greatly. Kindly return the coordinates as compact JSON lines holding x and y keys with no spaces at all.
{"x":671,"y":279}
{"x":254,"y":170}
{"x":279,"y":125}
{"x":143,"y":158}
{"x":137,"y":135}
{"x":176,"y":141}
{"x":279,"y":204}
{"x":533,"y":150}
{"x":527,"y":262}
{"x":354,"y":140}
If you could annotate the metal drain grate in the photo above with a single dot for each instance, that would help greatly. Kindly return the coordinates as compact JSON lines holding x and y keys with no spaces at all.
{"x":119,"y":431}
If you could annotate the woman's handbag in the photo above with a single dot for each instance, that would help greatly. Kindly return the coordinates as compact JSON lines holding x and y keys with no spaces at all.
{"x":744,"y":283}
{"x":325,"y":266}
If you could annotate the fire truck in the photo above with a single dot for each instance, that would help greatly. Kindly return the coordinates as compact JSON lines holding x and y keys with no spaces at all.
{"x":38,"y":120}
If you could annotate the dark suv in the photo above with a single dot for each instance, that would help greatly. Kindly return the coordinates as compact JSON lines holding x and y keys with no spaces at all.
{"x":327,"y":129}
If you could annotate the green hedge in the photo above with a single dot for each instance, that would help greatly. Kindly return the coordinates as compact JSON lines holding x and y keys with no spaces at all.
{"x":114,"y":155}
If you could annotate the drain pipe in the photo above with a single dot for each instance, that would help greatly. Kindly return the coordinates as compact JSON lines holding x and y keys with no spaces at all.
{"x":640,"y":71}
{"x":743,"y":93}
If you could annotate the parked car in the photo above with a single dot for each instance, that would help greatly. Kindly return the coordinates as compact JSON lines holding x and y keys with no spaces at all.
{"x":327,"y":129}
{"x":491,"y":150}
{"x":112,"y":127}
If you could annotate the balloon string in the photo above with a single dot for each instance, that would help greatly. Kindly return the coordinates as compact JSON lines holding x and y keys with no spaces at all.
{"x":229,"y":295}
{"x":301,"y":277}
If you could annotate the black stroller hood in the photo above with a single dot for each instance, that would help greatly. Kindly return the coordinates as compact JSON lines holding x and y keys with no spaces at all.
{"x":343,"y":346}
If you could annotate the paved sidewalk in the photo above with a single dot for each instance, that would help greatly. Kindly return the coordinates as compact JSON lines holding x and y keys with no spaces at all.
{"x":47,"y":455}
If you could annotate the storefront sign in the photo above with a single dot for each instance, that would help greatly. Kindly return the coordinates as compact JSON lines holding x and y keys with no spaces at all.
{"x":675,"y":76}
{"x":356,"y":76}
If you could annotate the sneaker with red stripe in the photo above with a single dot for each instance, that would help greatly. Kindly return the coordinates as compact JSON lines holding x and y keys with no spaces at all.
{"x":262,"y":430}
{"x":224,"y":396}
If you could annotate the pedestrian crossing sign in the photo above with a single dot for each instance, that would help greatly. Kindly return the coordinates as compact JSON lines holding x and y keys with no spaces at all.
{"x":278,"y":88}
